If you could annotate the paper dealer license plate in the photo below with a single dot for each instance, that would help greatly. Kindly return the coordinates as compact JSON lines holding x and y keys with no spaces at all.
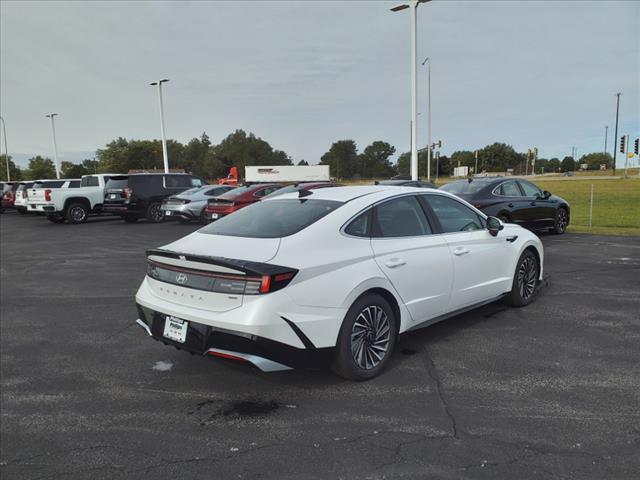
{"x":175,"y":329}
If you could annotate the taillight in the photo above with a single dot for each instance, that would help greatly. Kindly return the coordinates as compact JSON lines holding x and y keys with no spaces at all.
{"x":47,"y":195}
{"x":269,"y":283}
{"x":128,"y":192}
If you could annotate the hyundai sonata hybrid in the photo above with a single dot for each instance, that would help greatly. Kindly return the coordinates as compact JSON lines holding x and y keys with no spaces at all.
{"x":332,"y":276}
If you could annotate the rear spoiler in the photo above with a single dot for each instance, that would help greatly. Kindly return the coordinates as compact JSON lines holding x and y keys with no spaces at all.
{"x":246,"y":266}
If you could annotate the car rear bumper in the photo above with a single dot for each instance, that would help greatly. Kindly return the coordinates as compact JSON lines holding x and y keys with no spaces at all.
{"x":266,"y":354}
{"x":41,"y":207}
{"x":179,"y":211}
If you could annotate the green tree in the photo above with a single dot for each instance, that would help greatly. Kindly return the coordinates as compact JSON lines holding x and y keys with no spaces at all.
{"x":303,"y":163}
{"x":375,"y":160}
{"x":463,"y":158}
{"x":342,"y":159}
{"x":568,"y":164}
{"x":15,"y":172}
{"x":403,"y":166}
{"x":594,"y":160}
{"x":72,"y":170}
{"x":41,"y":168}
{"x":554,"y":165}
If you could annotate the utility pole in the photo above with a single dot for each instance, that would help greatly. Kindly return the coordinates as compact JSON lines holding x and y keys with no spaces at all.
{"x":475,"y":171}
{"x":428,"y":59}
{"x":606,"y":129}
{"x":615,"y":135}
{"x":626,"y":155}
{"x":164,"y":139}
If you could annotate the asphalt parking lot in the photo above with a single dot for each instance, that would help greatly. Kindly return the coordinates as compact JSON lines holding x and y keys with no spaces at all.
{"x":548,"y":391}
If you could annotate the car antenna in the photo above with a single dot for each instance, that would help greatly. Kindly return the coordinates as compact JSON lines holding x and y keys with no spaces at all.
{"x":304,"y":193}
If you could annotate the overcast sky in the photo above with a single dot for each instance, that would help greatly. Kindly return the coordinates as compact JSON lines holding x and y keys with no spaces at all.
{"x":303,"y":74}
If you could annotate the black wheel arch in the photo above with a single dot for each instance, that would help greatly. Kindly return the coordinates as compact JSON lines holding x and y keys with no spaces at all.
{"x":81,"y":200}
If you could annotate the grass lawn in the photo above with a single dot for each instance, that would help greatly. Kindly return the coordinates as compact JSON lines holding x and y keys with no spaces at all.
{"x":616,"y":204}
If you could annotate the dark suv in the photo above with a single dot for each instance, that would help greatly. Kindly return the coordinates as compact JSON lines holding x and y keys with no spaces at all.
{"x":140,"y":195}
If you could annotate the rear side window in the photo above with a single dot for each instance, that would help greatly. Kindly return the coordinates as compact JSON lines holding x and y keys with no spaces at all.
{"x":400,"y":217}
{"x":272,"y":218}
{"x":360,"y":226}
{"x":146,"y":182}
{"x":266,"y":191}
{"x":90,"y":181}
{"x":196,"y":182}
{"x":212,"y":192}
{"x":453,"y":215}
{"x":177,"y":181}
{"x":74,"y":184}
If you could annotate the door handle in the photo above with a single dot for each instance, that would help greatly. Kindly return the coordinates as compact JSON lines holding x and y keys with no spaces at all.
{"x":461,"y":251}
{"x":395,"y":262}
{"x":512,"y":238}
{"x":510,"y":205}
{"x":533,"y":203}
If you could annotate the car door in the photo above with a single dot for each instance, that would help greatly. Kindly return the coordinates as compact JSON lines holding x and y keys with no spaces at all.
{"x":480,"y":260}
{"x":539,"y":211}
{"x":512,"y":201}
{"x":414,"y":259}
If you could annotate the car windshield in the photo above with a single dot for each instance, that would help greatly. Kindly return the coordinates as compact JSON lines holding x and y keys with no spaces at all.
{"x":463,"y":187}
{"x":272,"y":219}
{"x":117,"y":183}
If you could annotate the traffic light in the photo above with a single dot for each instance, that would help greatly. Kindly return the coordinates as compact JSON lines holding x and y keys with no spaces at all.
{"x":528,"y":153}
{"x":535,"y":152}
{"x":622,"y":143}
{"x":636,"y":146}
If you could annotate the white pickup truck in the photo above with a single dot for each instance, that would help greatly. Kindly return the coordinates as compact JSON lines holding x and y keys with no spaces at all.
{"x":71,"y":204}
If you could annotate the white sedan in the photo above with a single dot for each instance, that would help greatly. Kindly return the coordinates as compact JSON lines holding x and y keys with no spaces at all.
{"x":332,"y":276}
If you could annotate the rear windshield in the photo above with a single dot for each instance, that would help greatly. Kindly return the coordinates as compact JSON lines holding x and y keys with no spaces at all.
{"x":464,"y":187}
{"x":24,"y":186}
{"x":272,"y":219}
{"x":117,"y":183}
{"x":280,"y":191}
{"x":49,"y":184}
{"x":236,"y":192}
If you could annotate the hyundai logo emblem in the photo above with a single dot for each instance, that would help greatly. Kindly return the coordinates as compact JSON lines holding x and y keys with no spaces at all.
{"x":181,"y":278}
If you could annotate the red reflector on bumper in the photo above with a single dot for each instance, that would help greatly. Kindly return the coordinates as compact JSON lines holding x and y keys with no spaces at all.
{"x":226,"y":355}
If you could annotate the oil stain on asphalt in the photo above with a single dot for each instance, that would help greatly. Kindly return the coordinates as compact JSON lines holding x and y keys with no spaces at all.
{"x":211,"y":410}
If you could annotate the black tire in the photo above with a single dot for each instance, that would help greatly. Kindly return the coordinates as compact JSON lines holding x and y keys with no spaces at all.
{"x":184,"y":220}
{"x":203,"y":217}
{"x":130,"y":218}
{"x":22,"y":211}
{"x":561,"y":221}
{"x":355,"y":358}
{"x":77,"y":213}
{"x":504,"y":218}
{"x":56,"y":218}
{"x":525,"y":280}
{"x":154,"y":213}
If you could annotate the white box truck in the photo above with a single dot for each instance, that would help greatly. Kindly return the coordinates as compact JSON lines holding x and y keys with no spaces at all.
{"x":287,"y":173}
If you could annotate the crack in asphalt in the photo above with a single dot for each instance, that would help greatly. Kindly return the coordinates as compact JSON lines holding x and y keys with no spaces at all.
{"x":431,"y":371}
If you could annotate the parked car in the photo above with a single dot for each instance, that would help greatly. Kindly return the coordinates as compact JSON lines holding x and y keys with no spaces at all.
{"x":332,"y":277}
{"x":514,"y":200}
{"x":191,"y":204}
{"x":237,"y":198}
{"x":301,"y":186}
{"x":406,"y":183}
{"x":75,"y":204}
{"x":8,"y":195}
{"x":40,"y":195}
{"x":21,"y":201}
{"x":140,"y":195}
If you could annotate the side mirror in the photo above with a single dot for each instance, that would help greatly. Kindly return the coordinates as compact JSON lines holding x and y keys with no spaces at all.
{"x":546,"y":194}
{"x":494,"y":225}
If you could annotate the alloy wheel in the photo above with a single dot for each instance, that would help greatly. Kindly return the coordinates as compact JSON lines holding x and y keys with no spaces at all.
{"x":156,"y":213}
{"x":527,"y":274}
{"x":370,"y":337}
{"x":77,"y":214}
{"x":562,"y":220}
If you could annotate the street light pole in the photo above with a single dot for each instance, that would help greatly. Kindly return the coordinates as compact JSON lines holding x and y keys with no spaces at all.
{"x":164,"y":140}
{"x":6,"y":151}
{"x":606,"y":130}
{"x":615,"y":135}
{"x":413,"y":5}
{"x":55,"y":145}
{"x":428,"y":117}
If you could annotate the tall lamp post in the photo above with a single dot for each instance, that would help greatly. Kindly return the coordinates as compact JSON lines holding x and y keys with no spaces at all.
{"x":428,"y":116}
{"x":413,"y":5}
{"x":606,"y":135}
{"x":164,"y":140}
{"x":615,"y":135}
{"x":6,"y":151}
{"x":55,"y":145}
